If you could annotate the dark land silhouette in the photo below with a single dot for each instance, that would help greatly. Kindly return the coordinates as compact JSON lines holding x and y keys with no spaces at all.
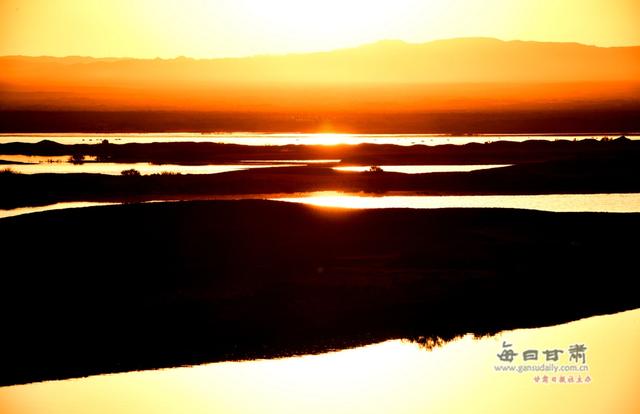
{"x":190,"y":153}
{"x":141,"y":286}
{"x":541,"y":168}
{"x":111,"y":289}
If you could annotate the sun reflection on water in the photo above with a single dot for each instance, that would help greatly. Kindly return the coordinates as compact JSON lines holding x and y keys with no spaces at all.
{"x":393,"y":376}
{"x":328,"y":139}
{"x":620,"y":203}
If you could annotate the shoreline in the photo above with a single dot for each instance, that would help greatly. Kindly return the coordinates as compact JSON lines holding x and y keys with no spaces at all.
{"x":617,"y":173}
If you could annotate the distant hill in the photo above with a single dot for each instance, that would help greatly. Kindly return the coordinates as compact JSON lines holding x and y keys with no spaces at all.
{"x":384,"y":77}
{"x":445,"y":61}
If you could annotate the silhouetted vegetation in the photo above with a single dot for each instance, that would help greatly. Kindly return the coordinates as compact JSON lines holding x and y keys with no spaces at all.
{"x":103,"y":151}
{"x":7,"y":171}
{"x":130,"y":173}
{"x":76,"y":159}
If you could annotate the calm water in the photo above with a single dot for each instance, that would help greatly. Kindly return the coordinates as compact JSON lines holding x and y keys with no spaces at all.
{"x":63,"y":167}
{"x":618,"y":203}
{"x":391,"y":377}
{"x":285,"y":139}
{"x":60,"y":165}
{"x":57,"y":206}
{"x":422,"y":169}
{"x":613,"y":203}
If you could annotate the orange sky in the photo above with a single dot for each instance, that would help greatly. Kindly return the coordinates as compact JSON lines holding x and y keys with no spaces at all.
{"x":215,"y":28}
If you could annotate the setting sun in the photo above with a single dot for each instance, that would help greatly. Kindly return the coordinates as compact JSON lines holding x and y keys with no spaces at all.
{"x":329,"y":139}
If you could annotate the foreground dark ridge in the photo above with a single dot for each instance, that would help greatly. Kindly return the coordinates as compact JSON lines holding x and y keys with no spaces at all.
{"x":113,"y":289}
{"x":603,"y":174}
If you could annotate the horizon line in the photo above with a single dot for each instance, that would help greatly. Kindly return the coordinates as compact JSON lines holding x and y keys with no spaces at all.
{"x":318,"y":51}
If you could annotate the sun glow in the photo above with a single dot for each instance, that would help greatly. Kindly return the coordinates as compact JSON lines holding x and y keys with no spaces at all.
{"x":335,"y":22}
{"x":329,"y":139}
{"x":217,"y":28}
